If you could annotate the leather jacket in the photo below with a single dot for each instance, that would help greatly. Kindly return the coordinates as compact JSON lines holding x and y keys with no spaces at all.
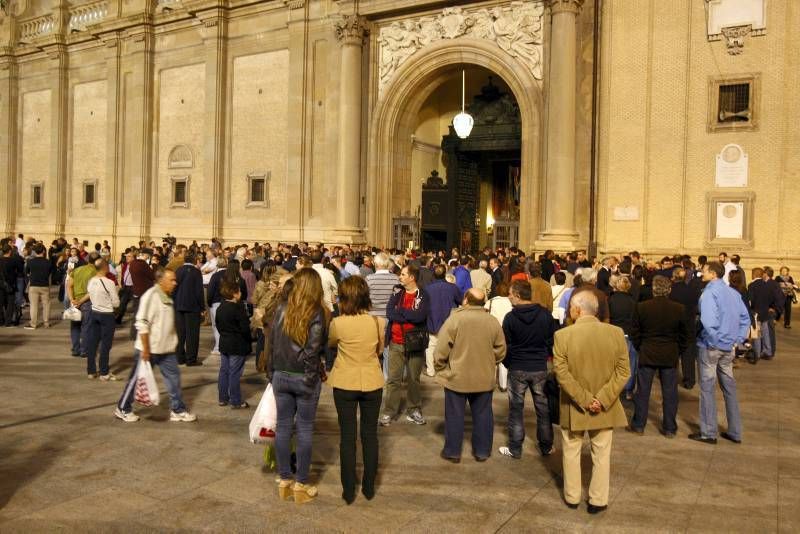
{"x":287,"y":355}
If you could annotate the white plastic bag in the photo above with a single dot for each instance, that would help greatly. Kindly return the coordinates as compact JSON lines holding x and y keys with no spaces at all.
{"x":72,"y":314}
{"x":146,"y":392}
{"x":262,"y":425}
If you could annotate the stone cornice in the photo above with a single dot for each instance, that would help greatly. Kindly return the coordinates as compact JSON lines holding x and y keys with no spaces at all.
{"x":565,"y":6}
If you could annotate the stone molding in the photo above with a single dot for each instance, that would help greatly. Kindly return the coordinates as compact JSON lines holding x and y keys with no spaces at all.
{"x":515,"y":27}
{"x":565,"y":6}
{"x":350,"y":29}
{"x":734,"y":38}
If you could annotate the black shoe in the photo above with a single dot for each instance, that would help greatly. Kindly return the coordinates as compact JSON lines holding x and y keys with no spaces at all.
{"x":668,"y":435}
{"x":592,"y":509}
{"x":767,"y":357}
{"x":194,"y":364}
{"x":730,"y":438}
{"x":633,"y":430}
{"x":697,"y":436}
{"x":76,"y":354}
{"x":220,"y":403}
{"x":480,"y":458}
{"x":349,"y":497}
{"x":573,"y":506}
{"x":787,"y":326}
{"x":368,"y":493}
{"x":241,"y":406}
{"x":687,"y":385}
{"x":449,"y":458}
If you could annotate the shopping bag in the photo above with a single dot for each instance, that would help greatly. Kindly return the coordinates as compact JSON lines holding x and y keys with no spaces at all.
{"x":262,"y":425}
{"x":72,"y":314}
{"x":146,"y":392}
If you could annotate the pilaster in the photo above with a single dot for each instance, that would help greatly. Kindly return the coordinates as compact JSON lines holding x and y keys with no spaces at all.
{"x":114,"y":140}
{"x":59,"y":75}
{"x":215,"y":33}
{"x":299,"y":140}
{"x":9,"y":136}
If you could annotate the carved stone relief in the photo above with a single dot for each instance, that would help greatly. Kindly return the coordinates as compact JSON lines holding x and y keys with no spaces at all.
{"x":516,"y":28}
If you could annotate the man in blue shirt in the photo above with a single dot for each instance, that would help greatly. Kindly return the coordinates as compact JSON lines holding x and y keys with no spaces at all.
{"x":726,"y":322}
{"x":443,"y":297}
{"x":463,"y":280}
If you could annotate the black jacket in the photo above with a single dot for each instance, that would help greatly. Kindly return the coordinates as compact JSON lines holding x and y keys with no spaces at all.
{"x":188,"y":294}
{"x":688,"y":295}
{"x":603,"y":280}
{"x":660,"y":332}
{"x":765,"y":295}
{"x":287,"y":355}
{"x":215,"y":285}
{"x":11,"y":268}
{"x":234,"y":329}
{"x":497,"y":277}
{"x":38,"y":271}
{"x":621,"y":309}
{"x":529,"y":331}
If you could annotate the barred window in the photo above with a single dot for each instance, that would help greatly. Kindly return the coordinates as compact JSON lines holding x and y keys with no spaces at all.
{"x":180,"y":192}
{"x":734,"y":102}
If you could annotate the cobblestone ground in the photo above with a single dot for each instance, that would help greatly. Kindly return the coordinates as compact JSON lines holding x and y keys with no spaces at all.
{"x":68,"y":465}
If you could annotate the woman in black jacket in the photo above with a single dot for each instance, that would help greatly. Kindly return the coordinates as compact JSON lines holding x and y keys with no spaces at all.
{"x":297,"y":344}
{"x":234,"y":345}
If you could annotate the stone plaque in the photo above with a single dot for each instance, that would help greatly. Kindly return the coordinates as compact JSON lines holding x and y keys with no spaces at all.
{"x":626,"y":213}
{"x":730,"y":220}
{"x":732,"y":165}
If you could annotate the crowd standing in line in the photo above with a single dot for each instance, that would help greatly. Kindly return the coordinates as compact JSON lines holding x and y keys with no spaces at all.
{"x":581,"y":335}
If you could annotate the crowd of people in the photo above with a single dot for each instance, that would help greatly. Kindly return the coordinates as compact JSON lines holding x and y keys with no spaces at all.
{"x":582,"y":335}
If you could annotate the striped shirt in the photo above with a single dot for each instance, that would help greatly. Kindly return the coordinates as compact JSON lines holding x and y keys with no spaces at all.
{"x":381,"y":283}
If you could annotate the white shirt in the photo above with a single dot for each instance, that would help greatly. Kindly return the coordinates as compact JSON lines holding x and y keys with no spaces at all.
{"x":208,"y":269}
{"x":103,"y":294}
{"x":20,"y":244}
{"x":558,"y":311}
{"x":498,"y":308}
{"x":329,"y":287}
{"x":729,"y":267}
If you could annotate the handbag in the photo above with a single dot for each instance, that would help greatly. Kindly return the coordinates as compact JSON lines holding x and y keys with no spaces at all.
{"x":72,"y":314}
{"x":415,"y":340}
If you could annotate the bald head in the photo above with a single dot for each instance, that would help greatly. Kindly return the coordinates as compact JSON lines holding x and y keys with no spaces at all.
{"x":475,"y":297}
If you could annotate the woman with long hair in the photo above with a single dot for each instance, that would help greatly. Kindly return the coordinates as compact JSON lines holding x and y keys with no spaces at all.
{"x":357,"y":381}
{"x":297,"y":344}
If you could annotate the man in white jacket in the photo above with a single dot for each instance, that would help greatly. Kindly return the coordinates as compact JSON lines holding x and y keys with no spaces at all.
{"x":156,"y":342}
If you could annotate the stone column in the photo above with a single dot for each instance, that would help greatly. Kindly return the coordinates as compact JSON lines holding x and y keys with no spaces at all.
{"x":350,"y":32}
{"x":8,"y":139}
{"x":115,"y":134}
{"x":559,"y":228}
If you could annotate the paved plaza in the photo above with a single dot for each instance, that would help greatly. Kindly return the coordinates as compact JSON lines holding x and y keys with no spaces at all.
{"x":68,"y":465}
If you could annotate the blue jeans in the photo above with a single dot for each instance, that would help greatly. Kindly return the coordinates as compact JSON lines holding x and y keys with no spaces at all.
{"x":716,"y":365}
{"x":633,"y":358}
{"x":296,"y":403}
{"x":519,"y":382}
{"x":101,"y":332}
{"x":668,"y":376}
{"x":230,"y":371}
{"x":168,"y":364}
{"x":480,"y":404}
{"x":86,"y":320}
{"x":766,"y":339}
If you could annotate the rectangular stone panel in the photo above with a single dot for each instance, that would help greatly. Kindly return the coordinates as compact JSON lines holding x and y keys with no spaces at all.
{"x":89,"y":147}
{"x":35,"y":153}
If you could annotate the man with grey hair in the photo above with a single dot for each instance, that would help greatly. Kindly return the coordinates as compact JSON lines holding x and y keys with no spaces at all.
{"x":480,"y":277}
{"x":590,"y":360}
{"x":587,"y":276}
{"x":660,"y":334}
{"x":608,"y":268}
{"x":381,"y":283}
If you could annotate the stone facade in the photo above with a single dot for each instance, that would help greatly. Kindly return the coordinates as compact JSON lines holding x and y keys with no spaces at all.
{"x":321,"y":102}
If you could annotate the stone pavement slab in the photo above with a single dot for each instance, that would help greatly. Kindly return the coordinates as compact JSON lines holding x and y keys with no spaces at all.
{"x":69,"y":466}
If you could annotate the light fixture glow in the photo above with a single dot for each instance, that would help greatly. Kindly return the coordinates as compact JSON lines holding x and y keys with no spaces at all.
{"x":462,"y":123}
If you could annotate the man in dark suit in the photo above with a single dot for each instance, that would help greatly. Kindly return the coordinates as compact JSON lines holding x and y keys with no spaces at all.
{"x":766,"y":300}
{"x":497,"y":274}
{"x":687,"y":293}
{"x":188,"y":298}
{"x":660,"y":334}
{"x":604,"y":274}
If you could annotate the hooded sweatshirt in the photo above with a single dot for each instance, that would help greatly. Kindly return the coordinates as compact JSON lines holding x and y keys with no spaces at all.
{"x":529,"y":333}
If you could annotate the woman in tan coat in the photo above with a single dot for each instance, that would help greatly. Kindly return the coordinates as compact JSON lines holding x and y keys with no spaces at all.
{"x":357,"y":381}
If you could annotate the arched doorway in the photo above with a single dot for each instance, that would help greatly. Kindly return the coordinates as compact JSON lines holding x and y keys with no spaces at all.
{"x":395,"y":116}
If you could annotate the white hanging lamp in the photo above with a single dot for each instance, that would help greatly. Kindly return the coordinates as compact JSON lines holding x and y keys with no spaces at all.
{"x":462,"y":123}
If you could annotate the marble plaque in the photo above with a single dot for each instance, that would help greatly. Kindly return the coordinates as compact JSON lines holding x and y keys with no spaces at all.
{"x":626,"y":213}
{"x":732,"y":164}
{"x":727,"y":13}
{"x":730,"y":220}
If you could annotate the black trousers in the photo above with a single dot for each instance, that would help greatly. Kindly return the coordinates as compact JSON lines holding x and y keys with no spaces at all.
{"x":669,"y":395}
{"x":787,"y":311}
{"x":347,"y":402}
{"x":689,"y":365}
{"x":8,"y":307}
{"x":480,"y":404}
{"x":187,"y":325}
{"x":125,"y":297}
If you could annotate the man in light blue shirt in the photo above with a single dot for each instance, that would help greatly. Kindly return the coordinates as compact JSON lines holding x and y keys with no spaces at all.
{"x":726,"y":322}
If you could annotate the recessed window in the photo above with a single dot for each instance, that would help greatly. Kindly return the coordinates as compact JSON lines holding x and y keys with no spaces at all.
{"x":180,"y":192}
{"x":733,"y":103}
{"x":37,"y":195}
{"x":89,"y":194}
{"x":257,"y":192}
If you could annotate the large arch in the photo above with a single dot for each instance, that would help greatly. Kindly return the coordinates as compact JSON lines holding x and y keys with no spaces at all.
{"x":389,"y":156}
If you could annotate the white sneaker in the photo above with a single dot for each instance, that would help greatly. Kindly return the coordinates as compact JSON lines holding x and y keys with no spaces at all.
{"x":92,"y":376}
{"x":110,"y":377}
{"x":184,"y":417}
{"x":128,"y":417}
{"x":215,"y":353}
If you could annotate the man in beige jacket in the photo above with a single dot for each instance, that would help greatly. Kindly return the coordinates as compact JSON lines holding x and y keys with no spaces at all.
{"x":590,"y":359}
{"x":471,"y":344}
